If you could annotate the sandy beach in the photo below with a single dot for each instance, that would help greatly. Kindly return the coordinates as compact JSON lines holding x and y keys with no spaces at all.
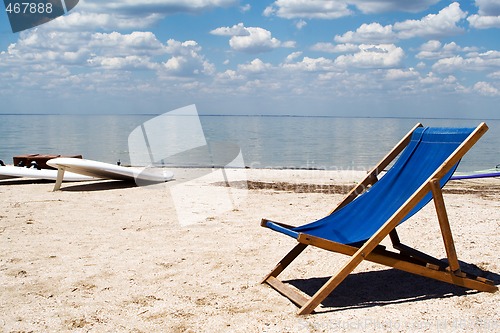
{"x":188,"y":256}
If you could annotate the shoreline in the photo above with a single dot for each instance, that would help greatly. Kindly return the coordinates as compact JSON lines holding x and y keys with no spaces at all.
{"x":110,"y":256}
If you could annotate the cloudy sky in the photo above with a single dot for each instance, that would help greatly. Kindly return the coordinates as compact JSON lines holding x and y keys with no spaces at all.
{"x":374,"y":58}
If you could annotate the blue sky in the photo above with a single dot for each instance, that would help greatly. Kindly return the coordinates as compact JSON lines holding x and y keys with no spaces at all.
{"x":376,"y":58}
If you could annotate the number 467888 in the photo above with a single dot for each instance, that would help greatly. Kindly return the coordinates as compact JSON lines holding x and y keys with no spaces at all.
{"x":29,"y":8}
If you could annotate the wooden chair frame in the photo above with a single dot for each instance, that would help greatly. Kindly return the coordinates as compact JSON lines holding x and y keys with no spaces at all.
{"x":408,"y":259}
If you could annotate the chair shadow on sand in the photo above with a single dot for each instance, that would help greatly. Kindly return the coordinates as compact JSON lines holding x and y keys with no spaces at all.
{"x":385,"y":287}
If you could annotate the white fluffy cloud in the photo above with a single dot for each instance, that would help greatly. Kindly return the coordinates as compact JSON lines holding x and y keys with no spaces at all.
{"x":129,"y":14}
{"x":167,"y":7}
{"x":484,"y":21}
{"x":396,"y":74}
{"x":368,"y":33}
{"x":236,"y":30}
{"x":474,"y":61}
{"x":434,"y":49}
{"x":36,"y":48}
{"x":186,"y":60}
{"x":494,"y":75}
{"x":258,"y":40}
{"x":373,"y":56}
{"x":300,"y":24}
{"x":445,"y":23}
{"x":122,"y":63}
{"x":381,"y":6}
{"x":251,"y":39}
{"x":488,"y":7}
{"x":311,"y":9}
{"x":86,"y":53}
{"x":254,"y":67}
{"x":335,"y":48}
{"x":333,"y":9}
{"x":79,"y":20}
{"x":118,"y":44}
{"x":486,"y":89}
{"x":308,"y":64}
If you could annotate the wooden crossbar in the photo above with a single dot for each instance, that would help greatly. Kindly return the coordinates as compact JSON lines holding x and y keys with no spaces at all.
{"x":280,"y":267}
{"x":287,"y":291}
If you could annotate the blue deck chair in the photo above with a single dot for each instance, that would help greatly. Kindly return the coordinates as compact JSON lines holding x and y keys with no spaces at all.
{"x":372,"y":210}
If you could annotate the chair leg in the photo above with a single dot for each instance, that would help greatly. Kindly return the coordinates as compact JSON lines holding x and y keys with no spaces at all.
{"x":280,"y":267}
{"x":445,"y":226}
{"x":333,"y":282}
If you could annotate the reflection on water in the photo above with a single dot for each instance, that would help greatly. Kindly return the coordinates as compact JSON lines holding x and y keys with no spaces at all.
{"x":266,"y":142}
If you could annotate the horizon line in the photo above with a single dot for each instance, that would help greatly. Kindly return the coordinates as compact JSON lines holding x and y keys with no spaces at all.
{"x":247,"y":115}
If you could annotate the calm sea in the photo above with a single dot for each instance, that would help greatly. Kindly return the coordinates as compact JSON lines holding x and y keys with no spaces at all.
{"x":265,"y":141}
